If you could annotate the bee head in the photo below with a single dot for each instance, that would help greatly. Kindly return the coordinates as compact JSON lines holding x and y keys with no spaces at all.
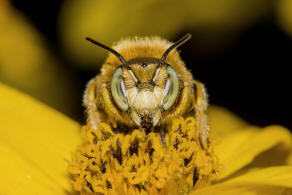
{"x":145,"y":87}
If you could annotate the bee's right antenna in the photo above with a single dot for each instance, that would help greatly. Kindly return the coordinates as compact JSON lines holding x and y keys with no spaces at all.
{"x":173,"y":46}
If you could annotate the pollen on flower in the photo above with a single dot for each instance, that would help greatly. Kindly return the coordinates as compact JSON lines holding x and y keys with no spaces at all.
{"x":135,"y":163}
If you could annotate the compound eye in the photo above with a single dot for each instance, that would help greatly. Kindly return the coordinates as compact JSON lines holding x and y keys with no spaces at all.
{"x":171,"y":88}
{"x":118,"y":90}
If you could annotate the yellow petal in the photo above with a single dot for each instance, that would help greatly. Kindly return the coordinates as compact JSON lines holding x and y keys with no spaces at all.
{"x":237,"y":188}
{"x":278,"y":155}
{"x":252,"y":189}
{"x":239,"y":149}
{"x":36,"y":143}
{"x":278,"y":176}
{"x":222,"y":122}
{"x":273,"y":180}
{"x":27,"y":64}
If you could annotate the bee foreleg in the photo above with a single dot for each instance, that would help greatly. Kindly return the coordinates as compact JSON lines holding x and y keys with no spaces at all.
{"x":201,"y":103}
{"x":90,"y":102}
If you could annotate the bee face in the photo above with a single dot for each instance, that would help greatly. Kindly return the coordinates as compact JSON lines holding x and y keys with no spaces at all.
{"x":146,"y":91}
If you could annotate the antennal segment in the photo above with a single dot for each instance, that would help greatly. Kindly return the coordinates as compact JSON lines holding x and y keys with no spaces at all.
{"x":122,"y":59}
{"x":173,"y":46}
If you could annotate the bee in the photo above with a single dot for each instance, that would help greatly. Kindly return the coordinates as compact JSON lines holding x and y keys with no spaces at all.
{"x":145,"y":84}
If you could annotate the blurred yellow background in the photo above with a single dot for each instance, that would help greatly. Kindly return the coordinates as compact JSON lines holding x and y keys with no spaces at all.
{"x":108,"y":21}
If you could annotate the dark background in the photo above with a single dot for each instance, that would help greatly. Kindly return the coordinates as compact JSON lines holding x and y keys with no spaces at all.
{"x":251,"y":78}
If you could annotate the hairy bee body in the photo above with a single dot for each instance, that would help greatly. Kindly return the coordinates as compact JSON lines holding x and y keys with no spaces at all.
{"x":146,"y":95}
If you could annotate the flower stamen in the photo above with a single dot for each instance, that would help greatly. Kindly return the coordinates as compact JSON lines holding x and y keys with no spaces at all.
{"x":135,"y":163}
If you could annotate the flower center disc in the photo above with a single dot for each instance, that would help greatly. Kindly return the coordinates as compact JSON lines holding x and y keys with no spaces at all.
{"x":135,"y":163}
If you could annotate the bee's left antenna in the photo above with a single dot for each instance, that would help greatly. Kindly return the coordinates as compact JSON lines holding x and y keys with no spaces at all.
{"x":122,"y":59}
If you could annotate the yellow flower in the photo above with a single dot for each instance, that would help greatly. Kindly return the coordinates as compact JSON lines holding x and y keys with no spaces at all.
{"x":36,"y":144}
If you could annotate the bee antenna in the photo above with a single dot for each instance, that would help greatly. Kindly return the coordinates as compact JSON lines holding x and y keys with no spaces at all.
{"x":121,"y":58}
{"x":173,"y":46}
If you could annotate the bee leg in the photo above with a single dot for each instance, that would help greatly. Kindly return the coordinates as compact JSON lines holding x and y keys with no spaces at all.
{"x":201,"y":103}
{"x":90,"y":102}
